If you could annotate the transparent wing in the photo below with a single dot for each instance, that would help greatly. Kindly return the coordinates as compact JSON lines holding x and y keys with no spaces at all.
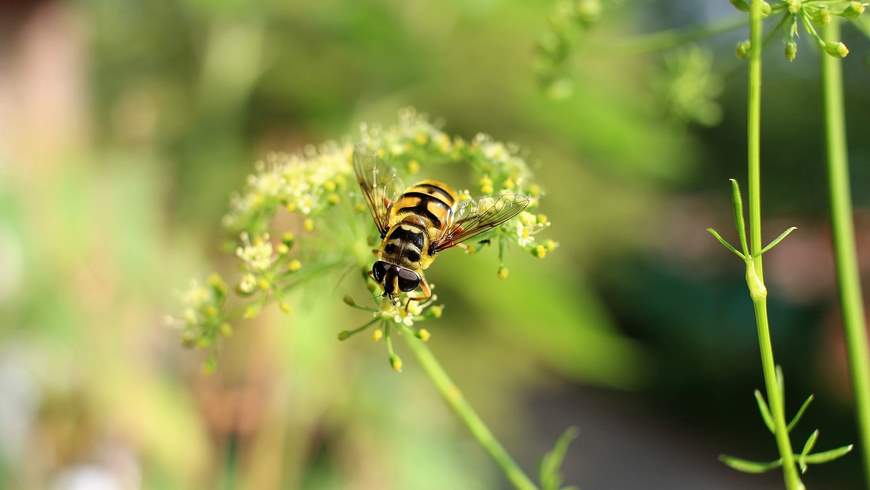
{"x":476,"y":217}
{"x":379,"y":185}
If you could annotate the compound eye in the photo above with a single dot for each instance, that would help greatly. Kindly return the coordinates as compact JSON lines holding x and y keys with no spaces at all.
{"x":408,"y":280}
{"x":379,"y":270}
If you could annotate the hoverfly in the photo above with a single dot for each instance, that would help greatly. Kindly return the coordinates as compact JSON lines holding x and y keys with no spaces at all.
{"x":418,"y":222}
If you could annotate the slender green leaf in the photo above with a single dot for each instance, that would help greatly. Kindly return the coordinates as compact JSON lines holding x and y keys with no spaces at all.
{"x":747,"y":466}
{"x":829,"y":455}
{"x":780,"y":382}
{"x":738,"y":216}
{"x":764,"y":410}
{"x":724,"y":242}
{"x":778,"y":239}
{"x":808,"y":446}
{"x":811,"y":441}
{"x":551,"y":463}
{"x":800,"y":412}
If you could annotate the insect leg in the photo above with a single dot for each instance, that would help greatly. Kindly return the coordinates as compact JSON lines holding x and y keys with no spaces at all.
{"x":425,"y":293}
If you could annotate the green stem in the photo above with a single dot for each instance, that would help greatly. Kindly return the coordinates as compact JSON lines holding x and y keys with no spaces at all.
{"x":844,"y":241}
{"x":754,"y":272}
{"x":463,"y":410}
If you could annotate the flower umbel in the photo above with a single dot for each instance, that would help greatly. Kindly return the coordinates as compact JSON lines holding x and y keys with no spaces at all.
{"x":812,"y":15}
{"x":316,"y":190}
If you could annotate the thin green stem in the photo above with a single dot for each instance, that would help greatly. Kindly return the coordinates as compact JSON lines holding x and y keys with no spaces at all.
{"x":754,"y":271}
{"x":753,"y":128}
{"x":844,"y":241}
{"x":469,"y":417}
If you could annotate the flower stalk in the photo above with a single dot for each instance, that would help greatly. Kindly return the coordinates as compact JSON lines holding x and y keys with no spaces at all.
{"x":754,"y":269}
{"x":848,"y":280}
{"x":460,"y":406}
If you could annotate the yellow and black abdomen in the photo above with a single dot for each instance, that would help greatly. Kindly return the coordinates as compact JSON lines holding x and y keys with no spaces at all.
{"x":428,"y":203}
{"x":417,"y":218}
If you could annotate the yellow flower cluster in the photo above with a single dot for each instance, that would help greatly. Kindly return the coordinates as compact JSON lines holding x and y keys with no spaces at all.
{"x":317,"y":186}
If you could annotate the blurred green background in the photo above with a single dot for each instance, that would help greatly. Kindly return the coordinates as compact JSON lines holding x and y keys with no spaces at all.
{"x":125,"y":124}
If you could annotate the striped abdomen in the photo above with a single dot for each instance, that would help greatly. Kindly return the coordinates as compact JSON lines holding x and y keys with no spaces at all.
{"x":417,"y":217}
{"x":427,"y":203}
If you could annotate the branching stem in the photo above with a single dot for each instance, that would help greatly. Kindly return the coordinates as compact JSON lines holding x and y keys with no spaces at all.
{"x":469,"y":417}
{"x":754,"y":273}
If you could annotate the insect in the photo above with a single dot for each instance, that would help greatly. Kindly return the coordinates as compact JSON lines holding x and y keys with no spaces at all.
{"x":418,"y":222}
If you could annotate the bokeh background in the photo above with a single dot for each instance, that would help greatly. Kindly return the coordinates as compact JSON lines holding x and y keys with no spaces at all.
{"x":125,"y":125}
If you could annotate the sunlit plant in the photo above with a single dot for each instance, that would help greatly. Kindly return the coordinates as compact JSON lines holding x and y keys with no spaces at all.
{"x":687,"y":86}
{"x":328,"y":230}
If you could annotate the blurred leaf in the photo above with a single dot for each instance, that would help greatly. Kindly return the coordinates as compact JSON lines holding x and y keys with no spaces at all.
{"x":747,"y":466}
{"x":808,"y":446}
{"x":551,"y":477}
{"x":800,"y":412}
{"x":830,"y":455}
{"x":764,"y":410}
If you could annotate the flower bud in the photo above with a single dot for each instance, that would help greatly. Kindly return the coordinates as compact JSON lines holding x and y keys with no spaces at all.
{"x":539,"y":251}
{"x":794,"y":6}
{"x":854,"y":10}
{"x":503,"y":272}
{"x":742,"y":50}
{"x":414,"y":166}
{"x":396,"y":363}
{"x":823,"y":16}
{"x":343,"y":335}
{"x":294,"y":265}
{"x":308,"y":224}
{"x":837,"y":49}
{"x":377,"y":334}
{"x":285,"y":307}
{"x":436,"y":311}
{"x":423,"y":335}
{"x":348,"y":300}
{"x":226,"y":329}
{"x":791,"y":49}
